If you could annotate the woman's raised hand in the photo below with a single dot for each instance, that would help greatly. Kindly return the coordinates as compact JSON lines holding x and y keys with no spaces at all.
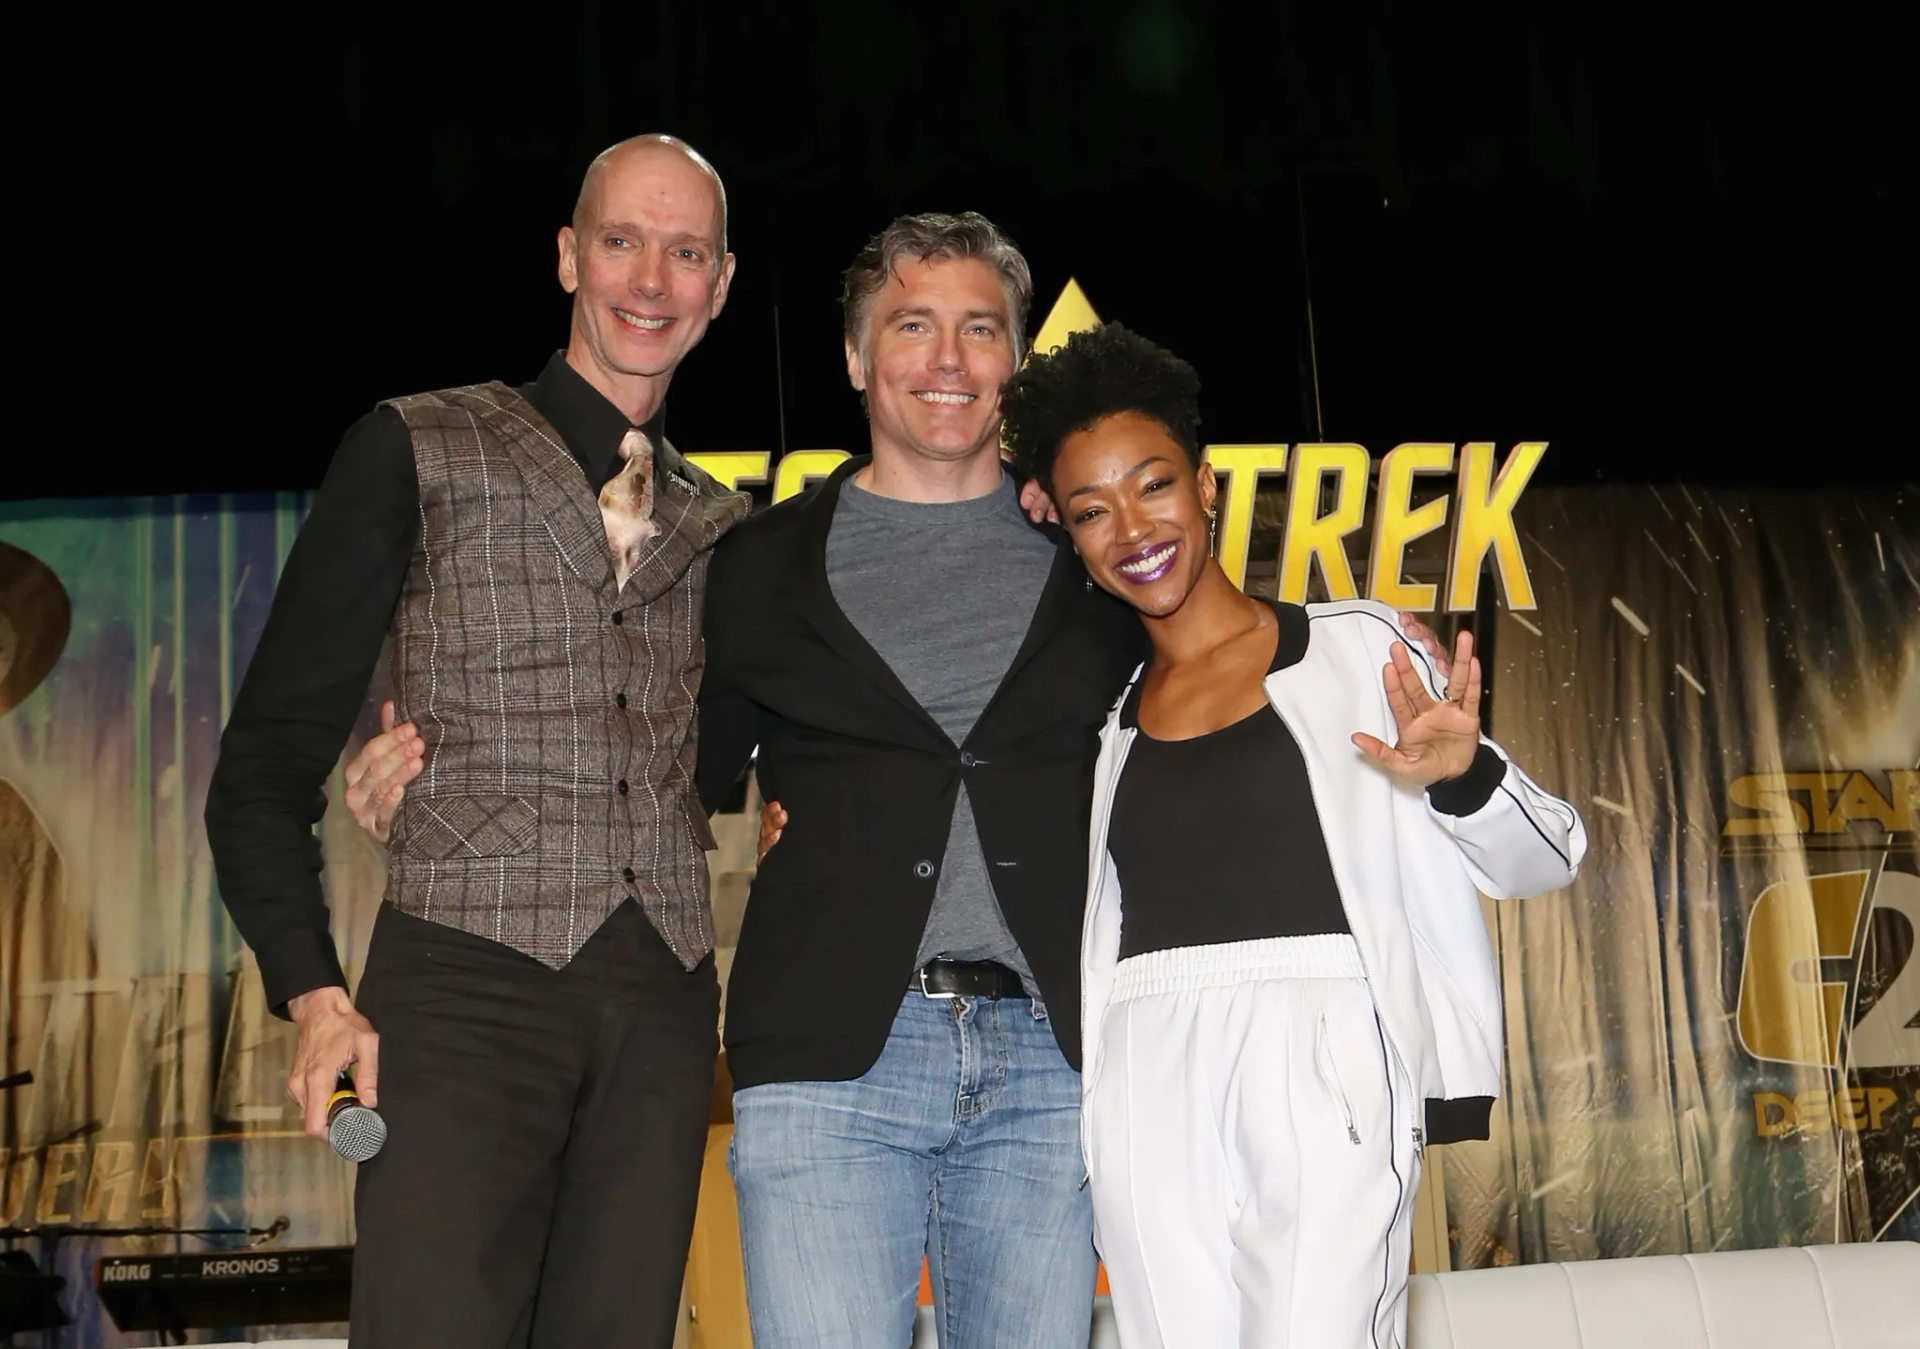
{"x":1436,"y":738}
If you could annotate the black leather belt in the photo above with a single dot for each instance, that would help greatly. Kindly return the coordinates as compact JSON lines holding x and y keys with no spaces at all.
{"x":967,"y":979}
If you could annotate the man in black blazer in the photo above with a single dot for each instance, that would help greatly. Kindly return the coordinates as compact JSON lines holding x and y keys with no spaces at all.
{"x":924,"y":672}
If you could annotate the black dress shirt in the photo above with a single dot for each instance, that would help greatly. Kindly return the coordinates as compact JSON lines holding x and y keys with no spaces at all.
{"x":309,"y":675}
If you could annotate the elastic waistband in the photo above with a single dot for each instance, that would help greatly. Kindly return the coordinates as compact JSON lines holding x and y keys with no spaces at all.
{"x":1323,"y":956}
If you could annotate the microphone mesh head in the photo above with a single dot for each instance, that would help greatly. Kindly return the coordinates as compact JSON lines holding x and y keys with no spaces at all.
{"x":357,"y":1133}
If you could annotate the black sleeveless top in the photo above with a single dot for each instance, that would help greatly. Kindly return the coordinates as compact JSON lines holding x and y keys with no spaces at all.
{"x":1216,"y":838}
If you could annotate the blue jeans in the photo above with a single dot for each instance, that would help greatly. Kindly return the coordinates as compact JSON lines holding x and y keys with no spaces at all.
{"x":963,"y":1143}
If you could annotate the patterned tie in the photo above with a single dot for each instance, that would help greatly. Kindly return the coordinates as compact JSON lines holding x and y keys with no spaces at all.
{"x":626,"y":504}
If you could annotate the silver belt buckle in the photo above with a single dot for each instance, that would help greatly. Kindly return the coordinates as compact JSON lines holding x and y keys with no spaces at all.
{"x":926,"y":992}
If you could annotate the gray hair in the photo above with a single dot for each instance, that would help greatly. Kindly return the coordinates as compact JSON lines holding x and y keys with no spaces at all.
{"x":591,"y":179}
{"x":935,"y":234}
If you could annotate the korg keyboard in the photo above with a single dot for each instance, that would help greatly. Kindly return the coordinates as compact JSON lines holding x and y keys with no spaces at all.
{"x":256,"y":1287}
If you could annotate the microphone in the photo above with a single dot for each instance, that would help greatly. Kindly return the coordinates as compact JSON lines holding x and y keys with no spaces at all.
{"x":354,"y":1131}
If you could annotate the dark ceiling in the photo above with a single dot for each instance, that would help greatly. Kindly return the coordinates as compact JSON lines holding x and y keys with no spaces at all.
{"x":1663,"y":243}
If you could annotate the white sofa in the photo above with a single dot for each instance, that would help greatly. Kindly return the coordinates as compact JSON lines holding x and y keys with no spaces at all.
{"x":1864,"y":1296}
{"x":1815,"y":1297}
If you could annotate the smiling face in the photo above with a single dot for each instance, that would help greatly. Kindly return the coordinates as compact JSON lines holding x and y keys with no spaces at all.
{"x":644,"y":265}
{"x":1137,"y":510}
{"x":937,"y":350}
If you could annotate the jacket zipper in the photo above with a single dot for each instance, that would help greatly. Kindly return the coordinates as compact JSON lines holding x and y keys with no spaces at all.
{"x":1313,"y":786}
{"x":1095,"y":857}
{"x":1330,"y":1074}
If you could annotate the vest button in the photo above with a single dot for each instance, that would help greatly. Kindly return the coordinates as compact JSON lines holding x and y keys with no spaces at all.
{"x":923,"y":868}
{"x":619,"y":700}
{"x":622,"y":785}
{"x":616,"y":618}
{"x":627,"y":875}
{"x":966,"y":759}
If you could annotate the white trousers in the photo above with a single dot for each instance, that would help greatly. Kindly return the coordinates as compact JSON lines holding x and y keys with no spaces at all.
{"x":1253,"y":1151}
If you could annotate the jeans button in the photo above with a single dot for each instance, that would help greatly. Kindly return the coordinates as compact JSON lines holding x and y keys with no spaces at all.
{"x":923,"y":868}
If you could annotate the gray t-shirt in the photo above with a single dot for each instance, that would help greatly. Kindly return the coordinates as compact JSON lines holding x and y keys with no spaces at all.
{"x":945,"y":592}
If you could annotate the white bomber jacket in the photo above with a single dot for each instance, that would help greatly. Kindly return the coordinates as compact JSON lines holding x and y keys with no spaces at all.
{"x":1409,"y":876}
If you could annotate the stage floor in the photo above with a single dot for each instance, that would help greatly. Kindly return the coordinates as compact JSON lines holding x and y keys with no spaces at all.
{"x":1104,"y":1335}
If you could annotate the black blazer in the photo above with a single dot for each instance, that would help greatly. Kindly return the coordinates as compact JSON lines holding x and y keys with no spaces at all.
{"x":869,"y":781}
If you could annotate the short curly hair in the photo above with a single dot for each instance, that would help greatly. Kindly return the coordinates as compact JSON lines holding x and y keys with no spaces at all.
{"x":1098,"y":373}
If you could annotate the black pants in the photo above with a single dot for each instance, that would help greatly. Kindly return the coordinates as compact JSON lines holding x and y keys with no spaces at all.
{"x":545,"y":1135}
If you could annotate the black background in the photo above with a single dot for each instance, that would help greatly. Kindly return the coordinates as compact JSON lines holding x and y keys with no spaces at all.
{"x":1664,"y":242}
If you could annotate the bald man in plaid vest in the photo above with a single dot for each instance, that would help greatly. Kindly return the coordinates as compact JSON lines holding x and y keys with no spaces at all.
{"x":536,"y":1020}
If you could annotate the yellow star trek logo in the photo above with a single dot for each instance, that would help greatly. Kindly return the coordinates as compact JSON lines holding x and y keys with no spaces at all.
{"x":1480,"y":506}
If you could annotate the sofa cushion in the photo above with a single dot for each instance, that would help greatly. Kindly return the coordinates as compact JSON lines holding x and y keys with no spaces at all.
{"x":1862,"y":1296}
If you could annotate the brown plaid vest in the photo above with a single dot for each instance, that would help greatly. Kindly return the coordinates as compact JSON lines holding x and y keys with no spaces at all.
{"x":558,"y":713}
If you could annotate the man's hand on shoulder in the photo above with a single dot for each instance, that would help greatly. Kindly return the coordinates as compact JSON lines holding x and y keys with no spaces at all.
{"x":333,"y":1037}
{"x":378,"y":775}
{"x":1037,"y":504}
{"x":1428,"y":641}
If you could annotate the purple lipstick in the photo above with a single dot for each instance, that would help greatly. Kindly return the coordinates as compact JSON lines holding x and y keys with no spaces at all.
{"x":1149,"y":564}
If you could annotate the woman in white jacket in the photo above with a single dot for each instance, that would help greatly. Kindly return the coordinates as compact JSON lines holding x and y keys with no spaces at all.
{"x":1288,"y":985}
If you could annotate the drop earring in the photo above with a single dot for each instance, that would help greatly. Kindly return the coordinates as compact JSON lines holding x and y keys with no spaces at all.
{"x":1213,"y":533}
